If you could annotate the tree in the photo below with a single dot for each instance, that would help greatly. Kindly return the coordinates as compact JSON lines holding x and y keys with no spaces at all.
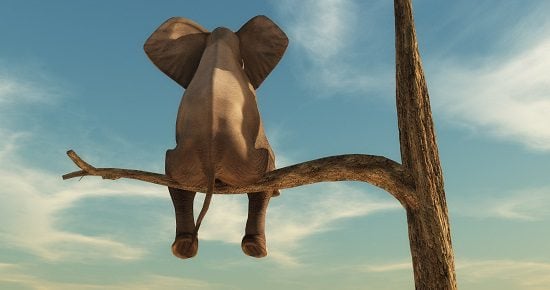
{"x":417,"y":183}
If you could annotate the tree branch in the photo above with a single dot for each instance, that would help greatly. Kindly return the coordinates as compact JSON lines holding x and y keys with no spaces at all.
{"x":376,"y":170}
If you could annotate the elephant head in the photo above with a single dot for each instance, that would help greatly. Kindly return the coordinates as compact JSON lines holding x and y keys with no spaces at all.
{"x":176,"y":48}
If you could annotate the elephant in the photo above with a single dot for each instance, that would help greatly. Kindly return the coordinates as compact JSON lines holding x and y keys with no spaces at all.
{"x":220,"y":139}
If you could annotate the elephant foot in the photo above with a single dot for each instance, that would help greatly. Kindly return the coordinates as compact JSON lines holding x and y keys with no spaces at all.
{"x":254,"y":246}
{"x":185,"y":246}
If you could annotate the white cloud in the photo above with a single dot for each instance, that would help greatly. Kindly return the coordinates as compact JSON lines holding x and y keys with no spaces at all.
{"x":388,"y":267}
{"x":532,"y":204}
{"x":527,"y":275}
{"x":16,"y":276}
{"x":225,"y":219}
{"x":325,"y":33}
{"x":36,"y":202}
{"x":16,"y":89}
{"x":506,"y":98}
{"x":33,"y":199}
{"x":324,"y":28}
{"x":8,"y":142}
{"x":4,"y":266}
{"x":165,"y":282}
{"x":293,"y":217}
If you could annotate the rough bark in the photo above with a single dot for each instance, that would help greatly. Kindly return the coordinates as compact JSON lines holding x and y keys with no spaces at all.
{"x":429,"y":232}
{"x":377,"y":170}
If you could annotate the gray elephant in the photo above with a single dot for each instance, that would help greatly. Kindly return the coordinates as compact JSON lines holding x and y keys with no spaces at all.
{"x":219,"y":133}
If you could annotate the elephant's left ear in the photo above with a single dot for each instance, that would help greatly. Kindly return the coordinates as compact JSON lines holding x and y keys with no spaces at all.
{"x":176,"y":48}
{"x":262,"y":45}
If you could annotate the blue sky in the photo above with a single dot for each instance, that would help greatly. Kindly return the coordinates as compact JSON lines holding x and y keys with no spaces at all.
{"x":73,"y":75}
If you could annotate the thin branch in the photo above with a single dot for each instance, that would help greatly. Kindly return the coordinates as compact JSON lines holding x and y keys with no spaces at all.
{"x":376,"y":170}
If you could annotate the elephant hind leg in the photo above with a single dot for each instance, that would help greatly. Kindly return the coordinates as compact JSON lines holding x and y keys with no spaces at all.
{"x":186,"y":243}
{"x":254,"y":241}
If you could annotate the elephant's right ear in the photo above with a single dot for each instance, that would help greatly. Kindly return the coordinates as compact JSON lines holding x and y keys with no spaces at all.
{"x":176,"y":48}
{"x":262,"y":45}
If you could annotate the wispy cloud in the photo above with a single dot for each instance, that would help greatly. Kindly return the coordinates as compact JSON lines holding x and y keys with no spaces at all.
{"x":26,"y":86}
{"x":504,"y":94}
{"x":526,"y":275}
{"x":387,"y":267}
{"x":484,"y":274}
{"x":324,"y":28}
{"x":503,"y":91}
{"x":166,"y":282}
{"x":4,"y":266}
{"x":36,"y":201}
{"x":33,"y":199}
{"x":14,"y":275}
{"x":325,"y":32}
{"x":293,"y":217}
{"x":507,"y":98}
{"x":531,"y":204}
{"x":37,"y":205}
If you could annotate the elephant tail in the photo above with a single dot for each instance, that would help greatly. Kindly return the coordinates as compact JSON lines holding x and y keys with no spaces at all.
{"x":211,"y":179}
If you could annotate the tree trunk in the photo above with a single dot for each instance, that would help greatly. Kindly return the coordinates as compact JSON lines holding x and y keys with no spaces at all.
{"x":429,"y":233}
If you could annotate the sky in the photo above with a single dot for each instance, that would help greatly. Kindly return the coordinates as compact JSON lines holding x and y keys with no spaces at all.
{"x":73,"y":75}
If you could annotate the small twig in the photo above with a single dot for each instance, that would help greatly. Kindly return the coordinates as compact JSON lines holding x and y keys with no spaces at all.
{"x":377,"y":170}
{"x":80,"y":163}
